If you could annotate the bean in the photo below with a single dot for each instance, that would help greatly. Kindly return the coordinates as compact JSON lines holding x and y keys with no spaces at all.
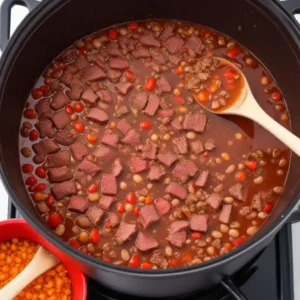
{"x":251,"y":230}
{"x":123,"y":31}
{"x":182,"y":109}
{"x":83,"y":222}
{"x":91,"y":248}
{"x":137,"y":178}
{"x":169,"y":251}
{"x":208,"y":240}
{"x":262,"y":215}
{"x":225,"y":156}
{"x":262,"y":162}
{"x":207,"y":258}
{"x":219,"y":188}
{"x":241,"y":167}
{"x":280,"y":172}
{"x":156,"y":28}
{"x":97,"y":43}
{"x":188,"y":241}
{"x":167,"y":180}
{"x":210,"y":250}
{"x":238,"y":136}
{"x":216,"y":234}
{"x":228,"y":200}
{"x":276,"y":153}
{"x":129,"y":207}
{"x":235,"y":224}
{"x":234,"y":233}
{"x":218,"y":160}
{"x":175,"y":202}
{"x":60,"y":229}
{"x":190,"y":135}
{"x":39,"y":196}
{"x":125,"y":255}
{"x":83,"y":237}
{"x":265,"y":80}
{"x":230,"y":169}
{"x":154,"y":137}
{"x":166,"y":137}
{"x":26,"y":152}
{"x":94,"y":197}
{"x":224,"y":228}
{"x":176,"y":92}
{"x":284,"y":117}
{"x":258,"y":180}
{"x":123,"y":185}
{"x":231,"y":44}
{"x":42,"y":207}
{"x":283,"y":163}
{"x":78,"y":187}
{"x":278,"y":190}
{"x":142,"y":199}
{"x":112,"y":254}
{"x":249,"y":61}
{"x":221,"y":42}
{"x":149,"y":186}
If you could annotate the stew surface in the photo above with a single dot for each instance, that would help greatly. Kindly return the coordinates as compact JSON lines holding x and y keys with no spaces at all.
{"x":124,"y":164}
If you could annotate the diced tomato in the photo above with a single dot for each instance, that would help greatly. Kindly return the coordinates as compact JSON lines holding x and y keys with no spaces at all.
{"x":54,"y":220}
{"x":56,"y":73}
{"x":33,"y":135}
{"x":251,"y":165}
{"x":179,"y":70}
{"x":29,"y":113}
{"x":202,"y":96}
{"x":146,"y":125}
{"x":40,"y":172}
{"x":50,"y":200}
{"x":134,"y":261}
{"x":40,"y":187}
{"x":121,"y":208}
{"x":47,"y":80}
{"x":233,"y":52}
{"x":276,"y":96}
{"x":136,"y":211}
{"x":205,"y":154}
{"x":31,"y":180}
{"x":150,"y":84}
{"x":230,"y":74}
{"x":146,"y":266}
{"x":130,"y":198}
{"x":113,"y":34}
{"x":95,"y":236}
{"x":130,"y":75}
{"x":196,"y":235}
{"x":83,"y":51}
{"x":108,"y":224}
{"x":174,"y":262}
{"x":74,"y":243}
{"x":230,"y":86}
{"x":79,"y":126}
{"x":44,"y":89}
{"x":78,"y":107}
{"x":239,"y":241}
{"x":240,"y":176}
{"x":228,"y":246}
{"x":132,"y":26}
{"x":36,"y":93}
{"x":27,"y":168}
{"x":69,"y":109}
{"x":106,"y":259}
{"x":93,"y":188}
{"x":91,"y":138}
{"x":148,"y":200}
{"x":186,"y":257}
{"x":268,"y":207}
{"x":178,"y":100}
{"x":61,"y":65}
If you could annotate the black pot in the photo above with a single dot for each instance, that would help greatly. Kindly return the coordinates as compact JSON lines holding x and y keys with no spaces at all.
{"x":262,"y":26}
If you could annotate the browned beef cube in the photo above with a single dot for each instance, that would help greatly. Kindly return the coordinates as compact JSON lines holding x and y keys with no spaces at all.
{"x":110,"y":139}
{"x":152,"y":105}
{"x":118,"y":63}
{"x":43,"y":108}
{"x":89,"y":167}
{"x":184,"y":170}
{"x":63,"y":189}
{"x":140,"y":53}
{"x":199,"y":222}
{"x":76,"y":91}
{"x":176,"y":190}
{"x":60,"y":119}
{"x":176,"y":125}
{"x":59,"y":159}
{"x":162,"y":205}
{"x":158,"y":56}
{"x":124,"y":87}
{"x":123,"y":126}
{"x":149,"y":149}
{"x":177,"y":239}
{"x":177,"y":226}
{"x":125,"y":232}
{"x":104,"y":154}
{"x":194,"y":43}
{"x":66,"y":78}
{"x":59,"y":174}
{"x":166,"y":113}
{"x":89,"y":97}
{"x":225,"y":214}
{"x":121,"y":111}
{"x":79,"y":150}
{"x":236,"y":191}
{"x":156,"y":172}
{"x":181,"y":144}
{"x":113,"y":75}
{"x":145,"y":242}
{"x":167,"y":158}
{"x":109,"y":184}
{"x":138,"y":100}
{"x":113,"y":219}
{"x":196,"y":122}
{"x":148,"y":39}
{"x":174,"y":44}
{"x":81,"y":178}
{"x":45,"y":147}
{"x":258,"y":202}
{"x":105,"y":96}
{"x":175,"y":59}
{"x":166,"y":33}
{"x":65,"y":137}
{"x":106,"y":202}
{"x":137,"y":164}
{"x":117,"y":167}
{"x":202,"y":179}
{"x":98,"y":115}
{"x":132,"y":138}
{"x":209,"y":145}
{"x":95,"y":215}
{"x":148,"y":215}
{"x":214,"y":200}
{"x":93,"y":73}
{"x":126,"y":42}
{"x":79,"y":204}
{"x":59,"y":101}
{"x":163,"y":85}
{"x":45,"y":128}
{"x":197,"y":147}
{"x":80,"y":63}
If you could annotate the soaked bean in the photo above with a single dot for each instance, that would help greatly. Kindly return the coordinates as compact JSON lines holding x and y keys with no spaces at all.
{"x":283,"y":163}
{"x":60,"y":230}
{"x":166,"y":137}
{"x":262,"y":215}
{"x":83,"y":222}
{"x":142,"y":199}
{"x":238,"y":136}
{"x":91,"y":248}
{"x":251,"y":230}
{"x":235,"y":224}
{"x":224,"y":228}
{"x":125,"y":255}
{"x":241,"y":167}
{"x":210,"y":250}
{"x":258,"y":180}
{"x":279,"y":172}
{"x":265,"y":80}
{"x":167,"y":180}
{"x":175,"y":202}
{"x":129,"y":207}
{"x":234,"y":233}
{"x":26,"y":152}
{"x":228,"y":200}
{"x":262,"y":162}
{"x":137,"y":178}
{"x":123,"y":185}
{"x":94,"y":197}
{"x":230,"y":169}
{"x":123,"y":31}
{"x":217,"y":234}
{"x":83,"y":237}
{"x":208,"y":240}
{"x":278,"y":190}
{"x":190,"y":135}
{"x":154,"y":137}
{"x":225,"y":156}
{"x":276,"y":153}
{"x":219,"y":188}
{"x":168,"y":251}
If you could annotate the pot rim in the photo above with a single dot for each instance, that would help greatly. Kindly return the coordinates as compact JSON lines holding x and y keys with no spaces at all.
{"x":29,"y":25}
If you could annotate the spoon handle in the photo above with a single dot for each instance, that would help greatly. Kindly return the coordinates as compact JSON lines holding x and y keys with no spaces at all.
{"x":42,"y":262}
{"x":253,"y":111}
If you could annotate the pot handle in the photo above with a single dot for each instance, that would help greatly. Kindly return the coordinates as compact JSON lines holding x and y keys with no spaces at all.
{"x":294,"y":217}
{"x":232,"y":289}
{"x":5,"y":11}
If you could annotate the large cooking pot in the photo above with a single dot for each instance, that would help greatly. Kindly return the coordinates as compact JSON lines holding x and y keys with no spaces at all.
{"x":262,"y":26}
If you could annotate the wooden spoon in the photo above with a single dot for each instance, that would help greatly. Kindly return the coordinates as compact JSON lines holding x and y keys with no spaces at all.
{"x":42,"y":262}
{"x":247,"y":106}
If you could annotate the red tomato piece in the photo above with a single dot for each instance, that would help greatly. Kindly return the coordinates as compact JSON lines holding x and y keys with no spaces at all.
{"x":179,"y":70}
{"x":229,"y":74}
{"x":40,"y":187}
{"x":240,"y":176}
{"x":121,"y":208}
{"x":146,"y":125}
{"x":106,"y":259}
{"x":134,"y":261}
{"x":82,"y":51}
{"x":74,"y":243}
{"x":132,"y":26}
{"x":136,"y":211}
{"x":146,"y":266}
{"x":31,"y":180}
{"x":93,"y":188}
{"x":50,"y":200}
{"x":150,"y":84}
{"x":239,"y":241}
{"x":47,"y":80}
{"x":233,"y":52}
{"x":174,"y":262}
{"x":27,"y":168}
{"x":36,"y":93}
{"x":276,"y":96}
{"x":69,"y":109}
{"x":196,"y":235}
{"x":202,"y":96}
{"x":56,"y":73}
{"x":205,"y":154}
{"x":55,"y":219}
{"x":268,"y":207}
{"x":95,"y":236}
{"x":40,"y":172}
{"x":91,"y":138}
{"x":61,"y":65}
{"x":113,"y":34}
{"x":33,"y":135}
{"x":29,"y":113}
{"x":79,"y":126}
{"x":186,"y":257}
{"x":178,"y":100}
{"x":130,"y":198}
{"x":78,"y":107}
{"x":251,"y":165}
{"x":44,"y":89}
{"x":31,"y":188}
{"x":130,"y":75}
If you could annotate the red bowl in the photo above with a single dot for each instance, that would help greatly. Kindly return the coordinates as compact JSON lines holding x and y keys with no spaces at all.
{"x":18,"y":228}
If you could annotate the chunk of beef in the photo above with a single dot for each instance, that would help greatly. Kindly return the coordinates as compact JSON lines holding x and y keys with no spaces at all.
{"x":184,"y":170}
{"x":176,"y":124}
{"x":181,"y":144}
{"x":175,"y":59}
{"x":177,"y":226}
{"x":236,"y":191}
{"x":110,"y":139}
{"x":59,"y":174}
{"x":152,"y":105}
{"x":167,"y":158}
{"x":59,"y":100}
{"x":193,"y":83}
{"x":43,"y":108}
{"x":45,"y":128}
{"x":125,"y":232}
{"x":89,"y":167}
{"x":75,"y":91}
{"x":177,"y":239}
{"x":194,"y":43}
{"x":174,"y":44}
{"x":117,"y":167}
{"x":93,"y":73}
{"x":118,"y":63}
{"x":60,"y":119}
{"x":157,"y":56}
{"x":166,"y":113}
{"x":113,"y":49}
{"x":78,"y":204}
{"x":132,"y":138}
{"x":148,"y":215}
{"x":176,"y":190}
{"x":163,"y":85}
{"x":126,"y":42}
{"x":158,"y":259}
{"x":167,"y":32}
{"x":124,"y":88}
{"x":95,"y":215}
{"x":63,"y":189}
{"x":113,"y":219}
{"x":98,"y":115}
{"x":138,"y":100}
{"x":209,"y":145}
{"x":121,"y":111}
{"x":199,"y":222}
{"x":81,"y":62}
{"x":202,"y":179}
{"x":104,"y":154}
{"x":258,"y":202}
{"x":113,"y":75}
{"x":214,"y":200}
{"x":59,"y":159}
{"x":65,"y":137}
{"x":79,"y":150}
{"x":149,"y":149}
{"x":162,"y":205}
{"x":105,"y":96}
{"x":89,"y":97}
{"x":157,"y":171}
{"x":45,"y":147}
{"x":109,"y":184}
{"x":145,"y":242}
{"x":197,"y":147}
{"x":140,"y":53}
{"x":196,"y":122}
{"x":137,"y":164}
{"x":106,"y":202}
{"x":124,"y":126}
{"x":148,"y":39}
{"x":104,"y":106}
{"x":225,"y":214}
